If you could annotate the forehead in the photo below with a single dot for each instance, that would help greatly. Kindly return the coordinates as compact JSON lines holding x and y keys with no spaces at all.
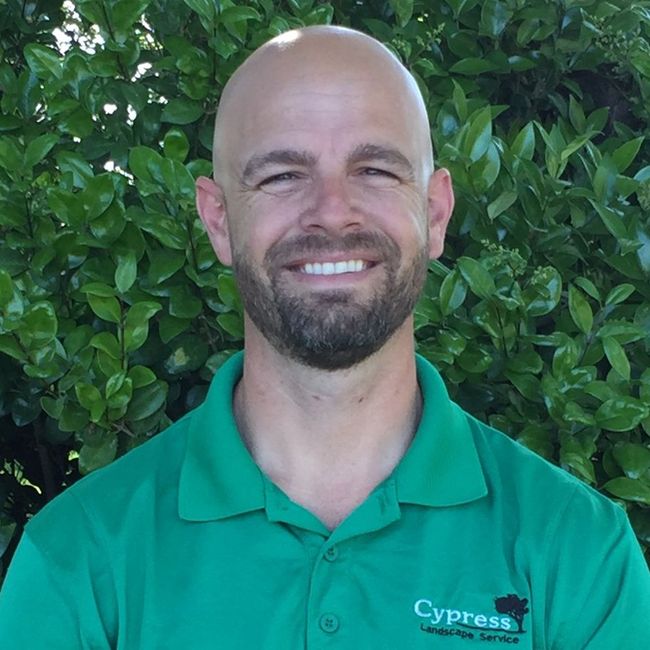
{"x":327,"y":116}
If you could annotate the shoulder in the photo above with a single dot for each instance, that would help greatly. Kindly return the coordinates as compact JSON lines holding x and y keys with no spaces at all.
{"x":146,"y":476}
{"x":536,"y":486}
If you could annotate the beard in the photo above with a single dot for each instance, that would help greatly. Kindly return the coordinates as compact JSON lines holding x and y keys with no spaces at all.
{"x":329,"y":330}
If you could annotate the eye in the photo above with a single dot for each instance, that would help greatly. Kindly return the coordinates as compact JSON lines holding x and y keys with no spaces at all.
{"x":379,"y":177}
{"x":373,"y":171}
{"x":278,"y":179}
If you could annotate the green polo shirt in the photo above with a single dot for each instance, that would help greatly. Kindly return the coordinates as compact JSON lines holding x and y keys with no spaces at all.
{"x":472,"y":542}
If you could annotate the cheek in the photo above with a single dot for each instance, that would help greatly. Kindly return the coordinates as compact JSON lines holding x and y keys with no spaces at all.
{"x":402,"y":214}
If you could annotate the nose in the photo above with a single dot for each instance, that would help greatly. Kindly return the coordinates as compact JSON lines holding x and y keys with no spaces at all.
{"x":332,"y":208}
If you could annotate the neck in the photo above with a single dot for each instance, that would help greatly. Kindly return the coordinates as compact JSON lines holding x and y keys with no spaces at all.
{"x":334,"y":433}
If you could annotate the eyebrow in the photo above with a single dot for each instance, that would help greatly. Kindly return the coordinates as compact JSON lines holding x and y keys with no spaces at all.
{"x":390,"y":155}
{"x":277,"y":157}
{"x":361,"y":153}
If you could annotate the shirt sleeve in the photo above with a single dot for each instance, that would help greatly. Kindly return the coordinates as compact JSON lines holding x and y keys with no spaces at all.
{"x":48,"y":600}
{"x":599,"y":582}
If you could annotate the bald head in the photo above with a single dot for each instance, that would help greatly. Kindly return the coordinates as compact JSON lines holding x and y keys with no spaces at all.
{"x":326,"y":61}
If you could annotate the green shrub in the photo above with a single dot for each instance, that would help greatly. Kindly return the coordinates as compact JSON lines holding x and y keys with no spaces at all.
{"x":114,"y":313}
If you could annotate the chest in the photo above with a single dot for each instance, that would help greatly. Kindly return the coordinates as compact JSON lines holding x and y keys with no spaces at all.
{"x":411,"y":586}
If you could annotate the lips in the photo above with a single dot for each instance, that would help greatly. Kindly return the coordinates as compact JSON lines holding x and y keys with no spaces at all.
{"x":317,"y":255}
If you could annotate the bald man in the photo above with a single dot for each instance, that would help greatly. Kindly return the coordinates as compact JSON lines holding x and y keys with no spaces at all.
{"x":327,"y":494}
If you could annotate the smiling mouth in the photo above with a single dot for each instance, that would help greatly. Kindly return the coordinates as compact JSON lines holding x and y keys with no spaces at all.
{"x":334,"y":268}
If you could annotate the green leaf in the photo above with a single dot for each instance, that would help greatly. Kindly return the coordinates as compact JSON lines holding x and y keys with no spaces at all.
{"x":163,"y":264}
{"x":232,"y":323}
{"x":183,"y":304}
{"x":136,"y":328}
{"x":472,"y":66}
{"x":169,"y":327}
{"x":39,"y":325}
{"x":622,"y":331}
{"x":98,"y":195}
{"x":574,"y":146}
{"x":182,"y":111}
{"x":494,"y":18}
{"x":621,"y":413}
{"x":604,"y":179}
{"x":88,"y":395}
{"x":189,"y":353}
{"x":501,"y":204}
{"x":610,"y":219}
{"x":403,"y":11}
{"x":39,"y":148}
{"x":205,"y":8}
{"x":74,"y":163}
{"x":460,"y":101}
{"x":177,"y":179}
{"x":11,"y":157}
{"x":147,"y":400}
{"x":453,"y":291}
{"x":98,"y":453}
{"x":145,"y":163}
{"x":126,"y":272}
{"x":73,"y":418}
{"x":580,"y":310}
{"x":477,"y":277}
{"x":114,"y":383}
{"x":127,"y":12}
{"x":176,"y":145}
{"x":479,"y":135}
{"x":98,"y":289}
{"x":24,"y":410}
{"x":524,"y":144}
{"x":10,"y":346}
{"x":161,"y":226}
{"x":119,"y":400}
{"x":616,"y":356}
{"x":576,"y":115}
{"x":43,"y":61}
{"x":141,"y":376}
{"x":53,"y":407}
{"x":228,"y":292}
{"x":626,"y":153}
{"x":582,"y":466}
{"x":588,"y":287}
{"x":107,"y":309}
{"x":633,"y":459}
{"x":629,"y":489}
{"x":6,"y":288}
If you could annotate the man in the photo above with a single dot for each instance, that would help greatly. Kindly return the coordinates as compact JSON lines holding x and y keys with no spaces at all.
{"x":327,"y":494}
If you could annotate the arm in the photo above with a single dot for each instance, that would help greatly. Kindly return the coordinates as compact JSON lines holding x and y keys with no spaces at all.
{"x":48,"y":600}
{"x":599,"y":582}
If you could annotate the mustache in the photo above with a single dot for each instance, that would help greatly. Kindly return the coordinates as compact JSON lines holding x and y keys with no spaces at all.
{"x":289,"y":249}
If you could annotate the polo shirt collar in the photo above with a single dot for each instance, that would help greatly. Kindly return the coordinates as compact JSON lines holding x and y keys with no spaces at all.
{"x":219,"y":478}
{"x":441,"y":466}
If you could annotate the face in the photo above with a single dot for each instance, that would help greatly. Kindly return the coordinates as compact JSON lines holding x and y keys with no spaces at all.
{"x":329,"y":214}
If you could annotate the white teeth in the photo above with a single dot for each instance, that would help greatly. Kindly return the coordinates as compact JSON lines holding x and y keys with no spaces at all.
{"x":333,"y":268}
{"x":340,"y":267}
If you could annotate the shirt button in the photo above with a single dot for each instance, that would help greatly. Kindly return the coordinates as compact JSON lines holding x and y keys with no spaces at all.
{"x":329,"y":623}
{"x":331,"y":554}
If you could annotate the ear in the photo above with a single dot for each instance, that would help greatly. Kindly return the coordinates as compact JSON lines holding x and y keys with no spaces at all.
{"x":211,"y":205}
{"x":440,"y":196}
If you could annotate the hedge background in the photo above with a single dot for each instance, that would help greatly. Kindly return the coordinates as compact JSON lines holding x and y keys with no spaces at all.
{"x":114,"y":313}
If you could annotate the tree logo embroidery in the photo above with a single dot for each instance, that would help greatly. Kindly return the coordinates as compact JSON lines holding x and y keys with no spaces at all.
{"x":514,"y":607}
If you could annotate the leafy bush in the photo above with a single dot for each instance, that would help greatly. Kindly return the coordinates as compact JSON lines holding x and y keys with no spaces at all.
{"x":114,"y":313}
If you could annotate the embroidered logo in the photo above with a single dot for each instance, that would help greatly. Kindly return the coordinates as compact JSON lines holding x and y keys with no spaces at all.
{"x":505,"y":626}
{"x":514,"y":607}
